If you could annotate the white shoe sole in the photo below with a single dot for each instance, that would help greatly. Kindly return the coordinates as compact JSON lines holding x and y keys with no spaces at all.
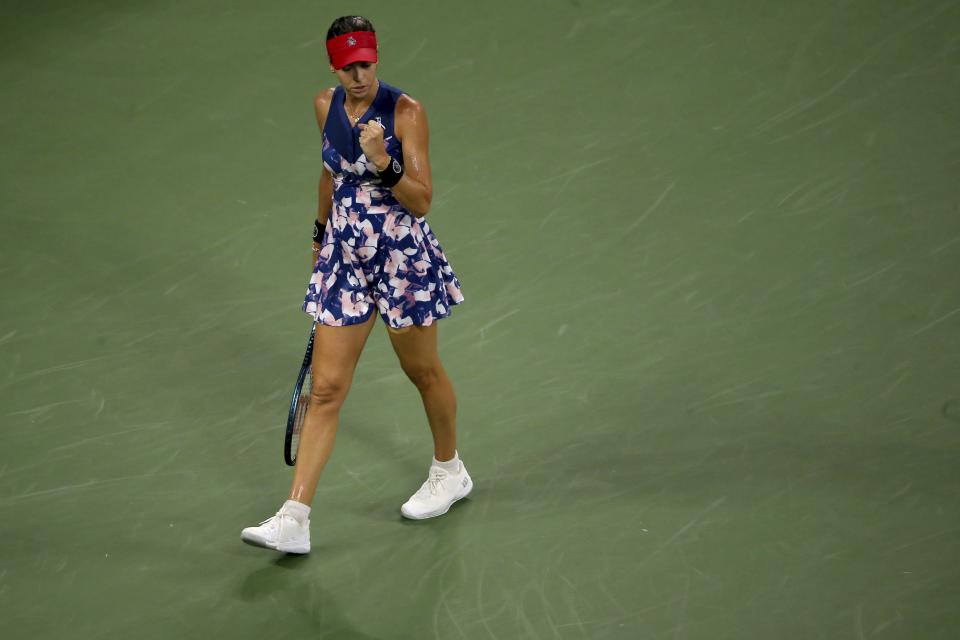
{"x":438,"y":512}
{"x":284,"y":547}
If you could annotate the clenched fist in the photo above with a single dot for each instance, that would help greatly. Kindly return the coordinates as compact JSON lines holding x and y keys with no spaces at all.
{"x":371,"y":141}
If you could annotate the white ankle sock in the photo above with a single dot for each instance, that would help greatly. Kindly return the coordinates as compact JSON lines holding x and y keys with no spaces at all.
{"x":451,"y":466}
{"x":298,"y":510}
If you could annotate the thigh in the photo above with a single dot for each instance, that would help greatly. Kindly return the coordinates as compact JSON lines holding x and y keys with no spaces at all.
{"x":416,"y":346}
{"x":336,"y":350}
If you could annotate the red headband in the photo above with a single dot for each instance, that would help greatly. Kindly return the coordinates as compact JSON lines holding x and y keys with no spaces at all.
{"x":355,"y":46}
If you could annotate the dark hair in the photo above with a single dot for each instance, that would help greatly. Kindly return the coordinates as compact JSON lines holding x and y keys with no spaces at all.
{"x":347,"y":24}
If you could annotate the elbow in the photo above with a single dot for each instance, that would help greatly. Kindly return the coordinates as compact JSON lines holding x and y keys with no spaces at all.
{"x":422,"y":211}
{"x":422,"y":207}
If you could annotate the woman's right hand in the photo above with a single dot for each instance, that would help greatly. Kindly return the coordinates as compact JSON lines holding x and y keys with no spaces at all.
{"x":315,"y":255}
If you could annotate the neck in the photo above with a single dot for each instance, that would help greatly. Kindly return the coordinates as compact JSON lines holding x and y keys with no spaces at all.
{"x":366,"y":100}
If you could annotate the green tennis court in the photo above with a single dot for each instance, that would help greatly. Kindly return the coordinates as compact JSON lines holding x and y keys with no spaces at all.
{"x":708,"y":365}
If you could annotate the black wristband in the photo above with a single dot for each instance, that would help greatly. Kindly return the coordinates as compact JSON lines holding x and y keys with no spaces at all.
{"x":392,"y":174}
{"x":318,"y":231}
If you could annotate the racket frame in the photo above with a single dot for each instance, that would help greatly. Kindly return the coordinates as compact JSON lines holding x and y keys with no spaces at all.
{"x":289,"y":456}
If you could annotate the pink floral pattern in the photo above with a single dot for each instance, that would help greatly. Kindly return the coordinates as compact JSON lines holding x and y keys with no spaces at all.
{"x":377,"y":255}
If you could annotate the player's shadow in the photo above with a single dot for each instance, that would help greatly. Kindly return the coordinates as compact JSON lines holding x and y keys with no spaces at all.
{"x":286,"y":580}
{"x":436,"y":545}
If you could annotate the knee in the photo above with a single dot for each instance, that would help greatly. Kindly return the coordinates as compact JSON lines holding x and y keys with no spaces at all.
{"x":326,"y":390}
{"x":424,"y":375}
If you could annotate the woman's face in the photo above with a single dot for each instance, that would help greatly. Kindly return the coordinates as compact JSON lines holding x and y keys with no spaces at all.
{"x":358,"y":78}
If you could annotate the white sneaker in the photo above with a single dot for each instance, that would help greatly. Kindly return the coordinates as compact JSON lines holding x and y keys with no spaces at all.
{"x":436,"y":495}
{"x":282,"y":532}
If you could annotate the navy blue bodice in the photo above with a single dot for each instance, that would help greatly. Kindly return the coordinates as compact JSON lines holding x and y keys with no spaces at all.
{"x":355,"y":179}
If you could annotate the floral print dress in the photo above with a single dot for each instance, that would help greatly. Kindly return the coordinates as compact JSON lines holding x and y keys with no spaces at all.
{"x":374,"y":253}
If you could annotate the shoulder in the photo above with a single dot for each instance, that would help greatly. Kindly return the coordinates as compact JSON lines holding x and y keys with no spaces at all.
{"x":324,"y":97}
{"x":410,"y":117}
{"x":408,"y":107}
{"x":321,"y":104}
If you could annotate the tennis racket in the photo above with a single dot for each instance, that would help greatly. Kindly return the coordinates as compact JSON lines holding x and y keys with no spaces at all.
{"x":298,"y":404}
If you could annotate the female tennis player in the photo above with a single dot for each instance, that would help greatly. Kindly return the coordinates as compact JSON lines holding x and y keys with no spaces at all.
{"x":374,"y":253}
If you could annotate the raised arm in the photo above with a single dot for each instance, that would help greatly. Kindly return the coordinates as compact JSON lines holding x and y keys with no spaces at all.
{"x":415,"y":189}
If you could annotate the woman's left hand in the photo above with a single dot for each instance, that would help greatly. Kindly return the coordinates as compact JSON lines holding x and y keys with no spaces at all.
{"x":371,"y":141}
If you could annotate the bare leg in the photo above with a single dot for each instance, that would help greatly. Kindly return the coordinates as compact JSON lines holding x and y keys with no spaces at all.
{"x":335,"y":354}
{"x":416,"y":347}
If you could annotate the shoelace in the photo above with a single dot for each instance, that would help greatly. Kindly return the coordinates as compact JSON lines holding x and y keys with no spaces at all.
{"x":278,"y":524}
{"x":435,"y":479}
{"x":269,"y":519}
